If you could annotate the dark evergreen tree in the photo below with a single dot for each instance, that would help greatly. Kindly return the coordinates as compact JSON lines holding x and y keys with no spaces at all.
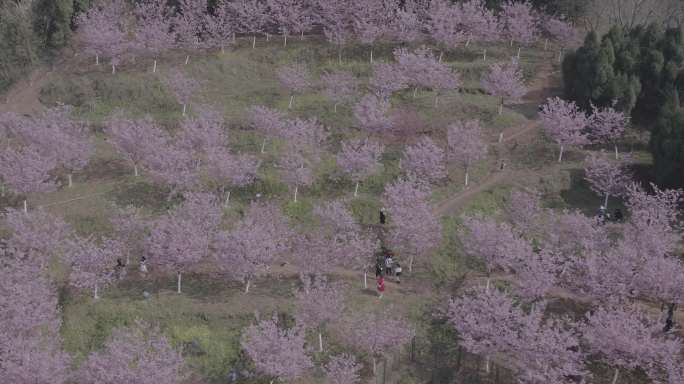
{"x":667,"y":144}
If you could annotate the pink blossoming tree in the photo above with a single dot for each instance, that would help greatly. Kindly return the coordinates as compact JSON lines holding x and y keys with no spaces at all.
{"x":339,"y":87}
{"x":465,"y":144}
{"x":318,"y":303}
{"x":564,"y":122}
{"x":343,"y":369}
{"x":135,"y":139}
{"x":93,"y":264}
{"x":424,"y":160}
{"x":153,"y":33}
{"x":520,"y":22}
{"x":371,"y":113}
{"x":505,"y":81}
{"x":360,"y":159}
{"x":609,"y":178}
{"x":295,"y":78}
{"x":182,"y":87}
{"x":608,"y":126}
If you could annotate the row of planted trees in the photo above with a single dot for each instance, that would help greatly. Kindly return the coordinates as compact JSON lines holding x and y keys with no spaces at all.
{"x":108,"y":30}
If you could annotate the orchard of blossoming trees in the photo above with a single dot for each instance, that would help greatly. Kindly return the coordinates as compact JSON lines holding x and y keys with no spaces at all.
{"x":552,"y":296}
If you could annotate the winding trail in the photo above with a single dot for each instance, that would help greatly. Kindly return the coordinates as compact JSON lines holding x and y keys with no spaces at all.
{"x":24,"y":96}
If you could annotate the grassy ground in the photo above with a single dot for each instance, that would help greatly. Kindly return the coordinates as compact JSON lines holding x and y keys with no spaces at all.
{"x":206,"y":320}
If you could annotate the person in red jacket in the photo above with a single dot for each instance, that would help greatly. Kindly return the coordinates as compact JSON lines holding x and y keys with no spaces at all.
{"x":381,"y":285}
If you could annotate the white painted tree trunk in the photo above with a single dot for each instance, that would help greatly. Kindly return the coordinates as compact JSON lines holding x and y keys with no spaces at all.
{"x":285,"y":41}
{"x":466,"y":178}
{"x":484,"y":54}
{"x":179,"y":282}
{"x":500,"y":137}
{"x":234,"y":39}
{"x":227,"y":201}
{"x":374,"y":365}
{"x":71,"y":181}
{"x":436,"y":100}
{"x":335,"y":108}
{"x":96,"y":296}
{"x":617,"y":155}
{"x":289,"y":106}
{"x":487,"y":286}
{"x":135,"y":170}
{"x":268,"y":37}
{"x":97,"y":59}
{"x":295,"y":196}
{"x":487,"y":364}
{"x":415,"y":92}
{"x":25,"y":206}
{"x":302,"y":36}
{"x":253,"y":41}
{"x":223,"y":49}
{"x":546,"y":43}
{"x":247,"y":286}
{"x":519,"y":48}
{"x":154,"y":67}
{"x":441,"y":54}
{"x":365,"y":280}
{"x":615,"y":376}
{"x":411,"y":264}
{"x":356,"y":190}
{"x":501,"y":105}
{"x":187,"y":59}
{"x":605,"y":202}
{"x":113,"y":69}
{"x":320,"y":342}
{"x":263,"y":146}
{"x":560,"y":154}
{"x":560,"y":56}
{"x":185,"y":106}
{"x":371,"y":56}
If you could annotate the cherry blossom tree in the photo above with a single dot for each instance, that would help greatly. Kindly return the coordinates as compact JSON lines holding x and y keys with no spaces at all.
{"x":318,"y":303}
{"x":276,"y":352}
{"x":202,"y":133}
{"x":252,"y":17}
{"x":295,"y":78}
{"x":92,"y":264}
{"x":174,"y":166}
{"x":360,"y":159}
{"x":477,"y":21}
{"x":257,"y":241}
{"x":424,"y":160}
{"x":421,"y":69}
{"x":139,"y":354}
{"x":290,"y":16}
{"x":267,"y":121}
{"x":520,"y":23}
{"x":627,"y":338}
{"x":370,"y":20}
{"x":181,"y":238}
{"x":103,"y":31}
{"x":377,"y":332}
{"x":415,"y":230}
{"x":36,"y":235}
{"x":34,"y":359}
{"x":26,"y":170}
{"x":190,"y":25}
{"x":153,"y":34}
{"x":505,"y":81}
{"x":229,"y":170}
{"x":526,"y":213}
{"x":135,"y":139}
{"x":609,"y":178}
{"x":564,"y":122}
{"x":343,"y":369}
{"x":339,"y":87}
{"x":337,"y":20}
{"x":387,"y":78}
{"x":182,"y":87}
{"x":130,"y":230}
{"x":221,"y":26}
{"x":465,"y":144}
{"x":371,"y":113}
{"x":561,"y":31}
{"x":442,"y":25}
{"x":608,"y":126}
{"x":406,"y":25}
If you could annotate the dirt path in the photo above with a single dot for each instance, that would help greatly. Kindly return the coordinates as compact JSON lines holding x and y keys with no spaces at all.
{"x":23,"y":97}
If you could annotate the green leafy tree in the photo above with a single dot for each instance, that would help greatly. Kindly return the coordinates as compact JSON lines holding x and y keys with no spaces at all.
{"x":667,"y":144}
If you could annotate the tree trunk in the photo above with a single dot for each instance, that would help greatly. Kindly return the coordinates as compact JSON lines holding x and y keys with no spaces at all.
{"x":466,"y":179}
{"x":135,"y":170}
{"x":374,"y":365}
{"x":320,"y":342}
{"x":154,"y":67}
{"x":371,"y":55}
{"x":470,"y":36}
{"x":25,"y":206}
{"x":617,"y":155}
{"x":184,"y":108}
{"x":484,"y":54}
{"x":223,"y":49}
{"x":335,"y":108}
{"x":247,"y":286}
{"x":234,"y":40}
{"x":71,"y":181}
{"x":253,"y":41}
{"x":436,"y":100}
{"x":546,"y":43}
{"x":268,"y":37}
{"x":301,"y":37}
{"x":441,"y":53}
{"x":289,"y":106}
{"x":225,"y":203}
{"x":415,"y":92}
{"x":97,"y":59}
{"x":605,"y":202}
{"x":487,"y":286}
{"x":285,"y":40}
{"x":501,"y":105}
{"x":500,"y":137}
{"x":179,"y":282}
{"x":519,"y":48}
{"x":113,"y":69}
{"x":615,"y":376}
{"x":560,"y":154}
{"x":263,"y":146}
{"x":356,"y":190}
{"x":295,"y":196}
{"x":365,"y":280}
{"x":411,"y":264}
{"x":96,"y":296}
{"x":560,"y":56}
{"x":487,"y":364}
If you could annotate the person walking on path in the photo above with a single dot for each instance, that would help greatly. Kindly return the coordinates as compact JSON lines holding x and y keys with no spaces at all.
{"x":388,"y":264}
{"x":397,"y":272}
{"x":381,"y":286}
{"x":383,"y":217}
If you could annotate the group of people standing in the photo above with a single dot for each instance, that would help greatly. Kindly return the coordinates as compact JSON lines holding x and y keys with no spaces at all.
{"x":604,"y":215}
{"x":386,"y":265}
